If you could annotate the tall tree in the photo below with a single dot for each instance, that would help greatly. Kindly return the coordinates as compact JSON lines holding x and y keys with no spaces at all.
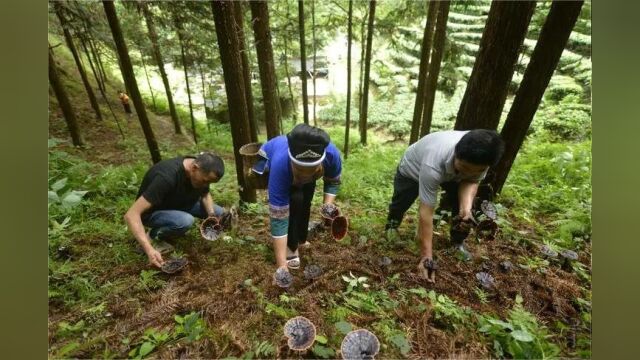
{"x":303,"y":62}
{"x":349,"y":38}
{"x":229,"y":44}
{"x":60,"y":13}
{"x":181,"y":40}
{"x":487,"y":88}
{"x":63,"y":100}
{"x":262,"y":33}
{"x":87,"y":54}
{"x":434,"y":66}
{"x":146,"y":75}
{"x":424,"y":67}
{"x":246,"y":70}
{"x":367,"y":69}
{"x":153,"y":36}
{"x":286,"y":67}
{"x":130,"y":79}
{"x":546,"y":55}
{"x":314,"y":72}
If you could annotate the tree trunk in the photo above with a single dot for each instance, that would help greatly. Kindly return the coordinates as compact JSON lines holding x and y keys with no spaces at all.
{"x":96,"y":55}
{"x":367,"y":69}
{"x":303,"y":62}
{"x":262,"y":33}
{"x":146,"y":75}
{"x":488,"y":85}
{"x":204,"y":98}
{"x":286,"y":68}
{"x":424,"y":67}
{"x":93,"y":68}
{"x":231,"y":60}
{"x":246,"y":70}
{"x":153,"y":36}
{"x":130,"y":80}
{"x":186,"y":78}
{"x":349,"y":39}
{"x":546,"y":55}
{"x":63,"y":101}
{"x":83,"y":75}
{"x":434,"y":67}
{"x":363,"y":46}
{"x":313,"y":39}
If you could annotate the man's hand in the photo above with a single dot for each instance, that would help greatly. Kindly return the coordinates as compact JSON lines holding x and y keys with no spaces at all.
{"x":155,"y":258}
{"x":427,"y":272}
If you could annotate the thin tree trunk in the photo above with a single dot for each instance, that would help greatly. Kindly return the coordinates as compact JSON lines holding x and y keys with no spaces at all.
{"x":146,"y":74}
{"x":313,"y":32}
{"x":349,"y":38}
{"x":434,"y":66}
{"x":231,"y":60}
{"x":130,"y":80}
{"x":100,"y":65}
{"x":186,"y":77}
{"x":96,"y":57}
{"x":83,"y":75}
{"x":294,"y":104}
{"x":424,"y":67}
{"x":153,"y":36}
{"x":363,"y":47}
{"x":88,"y":56}
{"x":367,"y":69}
{"x":303,"y":62}
{"x":63,"y":101}
{"x":488,"y":85}
{"x":246,"y":70}
{"x":204,"y":99}
{"x":262,"y":33}
{"x":544,"y":60}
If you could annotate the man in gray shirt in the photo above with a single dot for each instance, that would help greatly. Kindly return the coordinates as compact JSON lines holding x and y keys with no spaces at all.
{"x":457,"y":161}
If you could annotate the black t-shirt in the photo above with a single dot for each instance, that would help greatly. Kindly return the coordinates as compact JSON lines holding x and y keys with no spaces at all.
{"x":167,"y":187}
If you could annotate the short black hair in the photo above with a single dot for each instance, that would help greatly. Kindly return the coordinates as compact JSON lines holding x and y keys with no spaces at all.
{"x":480,"y":147}
{"x":307,"y":143}
{"x":210,"y":162}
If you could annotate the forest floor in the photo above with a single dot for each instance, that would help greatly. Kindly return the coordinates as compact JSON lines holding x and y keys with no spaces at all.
{"x":106,"y":301}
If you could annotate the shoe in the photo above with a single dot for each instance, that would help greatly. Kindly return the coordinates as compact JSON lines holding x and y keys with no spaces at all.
{"x":305,"y":245}
{"x":293,"y":262}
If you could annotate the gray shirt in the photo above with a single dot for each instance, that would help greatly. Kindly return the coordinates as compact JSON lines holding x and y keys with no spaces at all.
{"x":429,"y":161}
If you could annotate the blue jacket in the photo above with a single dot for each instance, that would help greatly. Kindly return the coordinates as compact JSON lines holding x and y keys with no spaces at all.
{"x":275,"y":154}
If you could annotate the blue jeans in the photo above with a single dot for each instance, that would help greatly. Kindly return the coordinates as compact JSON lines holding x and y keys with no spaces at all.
{"x":170,"y":224}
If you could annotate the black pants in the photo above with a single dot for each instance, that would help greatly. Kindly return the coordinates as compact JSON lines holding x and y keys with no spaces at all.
{"x":299,"y":212}
{"x":405,"y":192}
{"x":127,"y":108}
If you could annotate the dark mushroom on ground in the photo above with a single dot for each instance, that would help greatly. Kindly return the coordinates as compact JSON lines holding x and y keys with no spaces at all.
{"x":312,"y":272}
{"x":506,"y":266}
{"x":431,"y":266}
{"x":174,"y":265}
{"x":384,"y":261}
{"x":360,"y":344}
{"x":486,"y":280}
{"x":339,"y":227}
{"x":283,"y":278}
{"x":548,"y":252}
{"x":301,"y":333}
{"x":489,"y":209}
{"x":568,"y":257}
{"x":329,"y":211}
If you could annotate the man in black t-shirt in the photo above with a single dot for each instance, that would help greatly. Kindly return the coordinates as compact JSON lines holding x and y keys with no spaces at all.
{"x":172,"y":193}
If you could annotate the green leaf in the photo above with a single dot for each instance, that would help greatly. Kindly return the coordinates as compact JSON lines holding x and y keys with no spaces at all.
{"x":344,"y":327}
{"x":72,"y":198}
{"x":58,"y":185}
{"x":522,"y":335}
{"x":146,"y":348}
{"x":67,"y":349}
{"x":323,"y":351}
{"x":321,"y":339}
{"x":504,"y":325}
{"x":400,"y":341}
{"x":53,"y":197}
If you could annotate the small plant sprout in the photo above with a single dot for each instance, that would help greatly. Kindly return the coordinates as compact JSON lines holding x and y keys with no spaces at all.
{"x":360,"y":344}
{"x":355,"y":282}
{"x":301,"y":333}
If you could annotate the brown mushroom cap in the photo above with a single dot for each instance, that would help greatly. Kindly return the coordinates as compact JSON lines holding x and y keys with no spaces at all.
{"x":360,"y":344}
{"x":301,"y":333}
